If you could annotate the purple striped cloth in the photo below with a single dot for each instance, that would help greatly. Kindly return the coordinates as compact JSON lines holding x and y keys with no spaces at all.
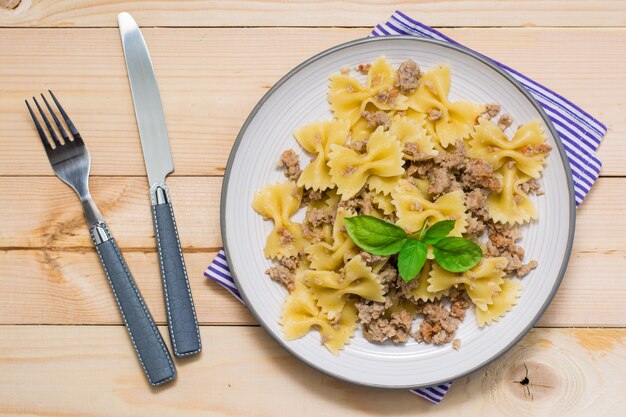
{"x":579,"y":132}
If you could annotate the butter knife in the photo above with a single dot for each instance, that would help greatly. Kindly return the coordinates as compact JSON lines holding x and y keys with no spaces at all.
{"x":181,"y":315}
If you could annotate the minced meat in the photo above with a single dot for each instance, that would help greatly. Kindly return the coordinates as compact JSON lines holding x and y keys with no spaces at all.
{"x":290,"y":163}
{"x":377,"y":118}
{"x":479,"y":173}
{"x":284,"y":272}
{"x":408,"y":76}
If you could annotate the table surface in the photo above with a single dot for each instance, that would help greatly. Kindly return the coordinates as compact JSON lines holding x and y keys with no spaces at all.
{"x":63,"y":349}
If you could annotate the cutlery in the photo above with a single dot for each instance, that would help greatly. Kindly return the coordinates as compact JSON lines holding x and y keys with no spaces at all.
{"x":181,"y":315}
{"x":71,"y":162}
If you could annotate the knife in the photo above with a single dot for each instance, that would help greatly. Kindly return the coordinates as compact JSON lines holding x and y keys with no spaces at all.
{"x":181,"y":315}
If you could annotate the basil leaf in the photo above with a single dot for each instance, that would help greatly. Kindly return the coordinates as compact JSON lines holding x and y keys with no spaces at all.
{"x":411,"y":259}
{"x":456,"y":254}
{"x":438,"y":231}
{"x":374,"y":235}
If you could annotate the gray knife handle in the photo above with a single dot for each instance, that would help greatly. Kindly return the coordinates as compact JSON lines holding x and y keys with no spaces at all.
{"x":153,"y":355}
{"x":181,"y":314}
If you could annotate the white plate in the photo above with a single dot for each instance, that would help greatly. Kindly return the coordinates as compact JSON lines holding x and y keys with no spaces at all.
{"x":299,"y":98}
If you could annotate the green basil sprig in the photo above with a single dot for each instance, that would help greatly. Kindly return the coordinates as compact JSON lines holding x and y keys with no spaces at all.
{"x":380,"y":237}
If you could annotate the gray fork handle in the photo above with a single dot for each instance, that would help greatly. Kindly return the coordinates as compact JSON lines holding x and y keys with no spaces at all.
{"x":153,"y":355}
{"x":181,"y":314}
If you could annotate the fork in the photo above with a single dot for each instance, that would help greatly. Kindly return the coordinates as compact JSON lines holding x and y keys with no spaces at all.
{"x":71,"y":162}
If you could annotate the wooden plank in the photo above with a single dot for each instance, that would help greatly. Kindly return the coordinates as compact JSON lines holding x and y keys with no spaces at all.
{"x":50,"y":215}
{"x":93,"y":371}
{"x":77,"y":13}
{"x":69,"y":287}
{"x":209,"y":84}
{"x":44,"y":212}
{"x":49,"y":287}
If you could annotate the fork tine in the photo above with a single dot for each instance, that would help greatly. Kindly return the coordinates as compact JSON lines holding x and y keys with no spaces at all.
{"x":56,"y":119}
{"x":42,"y":134}
{"x":67,"y":119}
{"x":55,"y":138}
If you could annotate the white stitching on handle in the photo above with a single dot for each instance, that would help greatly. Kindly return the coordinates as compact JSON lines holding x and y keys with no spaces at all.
{"x":182,"y":259}
{"x":152,"y":325}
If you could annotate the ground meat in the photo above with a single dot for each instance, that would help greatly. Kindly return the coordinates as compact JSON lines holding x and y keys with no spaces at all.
{"x":310,"y":196}
{"x":284,"y":272}
{"x":460,"y":304}
{"x":388,"y":96}
{"x":290,"y":163}
{"x":525,"y":269}
{"x":479,"y":173}
{"x":311,"y":233}
{"x":530,"y":150}
{"x":370,"y":259}
{"x":491,"y":110}
{"x":475,"y":226}
{"x":456,"y":344}
{"x":377,"y":118}
{"x":388,"y":276}
{"x":439,"y":181}
{"x":364,"y":68}
{"x":505,"y":121}
{"x":361,"y":202}
{"x":317,"y":217}
{"x":359,"y":145}
{"x":455,"y":159}
{"x":502,"y":242}
{"x":476,"y":201}
{"x":285,"y":236}
{"x":412,"y":153}
{"x":419,"y":169}
{"x":369,"y":310}
{"x":434,"y":114}
{"x":408,"y":76}
{"x":531,"y":186}
{"x":349,"y":170}
{"x":439,"y":325}
{"x":397,"y":328}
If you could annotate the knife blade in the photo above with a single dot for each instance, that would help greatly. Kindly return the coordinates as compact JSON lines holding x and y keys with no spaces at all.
{"x":181,"y":315}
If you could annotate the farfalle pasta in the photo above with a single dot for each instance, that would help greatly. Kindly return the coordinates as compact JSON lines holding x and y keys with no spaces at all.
{"x":398,"y":148}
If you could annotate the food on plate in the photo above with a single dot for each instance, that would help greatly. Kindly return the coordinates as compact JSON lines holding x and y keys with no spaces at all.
{"x":412,"y":205}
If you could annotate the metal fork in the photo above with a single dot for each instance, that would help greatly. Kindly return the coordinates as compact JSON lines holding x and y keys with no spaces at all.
{"x":71,"y":162}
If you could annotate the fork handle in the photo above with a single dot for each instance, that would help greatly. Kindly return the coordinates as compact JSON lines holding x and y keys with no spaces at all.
{"x":181,"y":314}
{"x":153,"y":355}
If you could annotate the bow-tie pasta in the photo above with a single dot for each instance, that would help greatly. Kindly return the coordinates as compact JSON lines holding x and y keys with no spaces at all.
{"x":316,"y":138}
{"x":398,"y":148}
{"x":528,"y":147}
{"x":350,"y":170}
{"x":446,"y":120}
{"x":279,"y":202}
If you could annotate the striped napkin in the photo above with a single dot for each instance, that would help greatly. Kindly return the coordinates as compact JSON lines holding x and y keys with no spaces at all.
{"x":580,"y":134}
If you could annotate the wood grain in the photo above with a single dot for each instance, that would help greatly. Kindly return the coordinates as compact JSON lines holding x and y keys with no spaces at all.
{"x":48,"y":215}
{"x":81,"y":13}
{"x":50,"y":371}
{"x":210,"y":80}
{"x":69,"y":287}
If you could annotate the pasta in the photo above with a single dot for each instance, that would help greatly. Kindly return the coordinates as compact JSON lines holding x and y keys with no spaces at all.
{"x":399,"y":149}
{"x":301,"y":313}
{"x":279,"y":202}
{"x":316,"y":138}
{"x":350,"y":170}
{"x":414,"y":209}
{"x":502,"y":302}
{"x":511,"y":205}
{"x":330,"y":256}
{"x":447,"y":121}
{"x":330,"y":288}
{"x":527,"y":147}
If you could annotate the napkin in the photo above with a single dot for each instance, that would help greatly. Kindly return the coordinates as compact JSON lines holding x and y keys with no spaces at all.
{"x":580,"y":134}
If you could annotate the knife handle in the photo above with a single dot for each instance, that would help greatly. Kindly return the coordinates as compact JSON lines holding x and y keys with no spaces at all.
{"x":181,"y":314}
{"x":149,"y":345}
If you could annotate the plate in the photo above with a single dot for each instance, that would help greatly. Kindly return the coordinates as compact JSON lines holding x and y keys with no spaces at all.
{"x":300,"y":97}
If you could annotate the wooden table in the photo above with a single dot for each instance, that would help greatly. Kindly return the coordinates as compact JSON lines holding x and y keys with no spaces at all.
{"x":63,"y":349}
